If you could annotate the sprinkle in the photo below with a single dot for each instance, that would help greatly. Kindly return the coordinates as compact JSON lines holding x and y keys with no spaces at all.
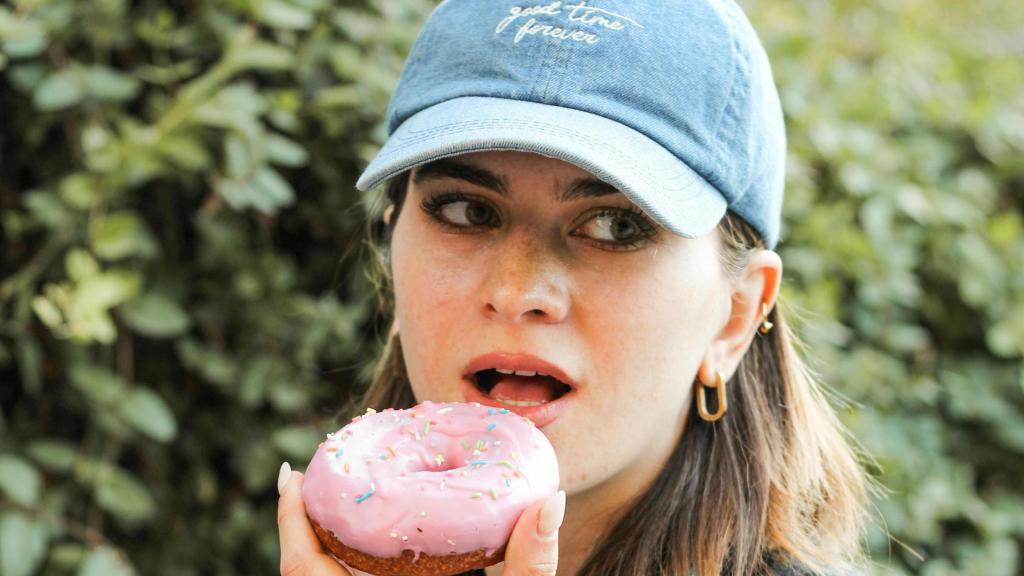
{"x":491,"y":426}
{"x":507,"y":464}
{"x":392,"y":451}
{"x":369,"y":411}
{"x":393,"y":535}
{"x":465,"y":444}
{"x":332,"y":436}
{"x":490,"y":410}
{"x":528,"y":420}
{"x":450,"y":542}
{"x":365,"y":496}
{"x":508,"y":482}
{"x":476,"y":495}
{"x":440,"y":459}
{"x":405,"y":538}
{"x":422,"y":513}
{"x":383,"y":456}
{"x":494,"y":494}
{"x":478,"y":462}
{"x":479,"y":444}
{"x":426,"y":428}
{"x":442,"y":483}
{"x":504,"y":410}
{"x":339,"y":453}
{"x":347,"y":469}
{"x":357,"y":418}
{"x":445,"y":410}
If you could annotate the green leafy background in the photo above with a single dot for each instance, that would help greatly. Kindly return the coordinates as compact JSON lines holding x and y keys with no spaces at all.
{"x":184,"y":303}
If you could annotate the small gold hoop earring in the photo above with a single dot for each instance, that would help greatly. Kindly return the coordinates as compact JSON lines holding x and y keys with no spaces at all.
{"x":702,"y":406}
{"x":766,"y":326}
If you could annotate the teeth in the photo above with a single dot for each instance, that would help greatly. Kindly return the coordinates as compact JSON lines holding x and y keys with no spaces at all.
{"x":525,"y":373}
{"x":503,"y":371}
{"x":511,"y":402}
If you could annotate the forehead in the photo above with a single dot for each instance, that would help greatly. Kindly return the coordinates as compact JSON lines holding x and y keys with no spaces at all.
{"x":493,"y":171}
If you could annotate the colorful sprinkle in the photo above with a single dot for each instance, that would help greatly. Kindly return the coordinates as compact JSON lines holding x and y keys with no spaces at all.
{"x":347,"y":469}
{"x":507,"y":464}
{"x":478,"y":462}
{"x":364,"y":496}
{"x":426,"y":428}
{"x":504,"y":410}
{"x":479,"y":444}
{"x":339,"y":453}
{"x":445,"y":410}
{"x":476,"y":495}
{"x":451,"y":542}
{"x":508,"y":482}
{"x":490,"y":410}
{"x":494,"y":494}
{"x":393,"y":535}
{"x":465,"y":444}
{"x":491,"y":426}
{"x":392,"y":451}
{"x":440,"y":460}
{"x":405,"y":538}
{"x":369,"y":411}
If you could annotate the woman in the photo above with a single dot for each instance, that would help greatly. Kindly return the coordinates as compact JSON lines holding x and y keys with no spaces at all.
{"x":598,"y":188}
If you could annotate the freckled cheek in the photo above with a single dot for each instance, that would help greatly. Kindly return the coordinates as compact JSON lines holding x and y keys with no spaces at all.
{"x":432,"y":297}
{"x":647,"y":345}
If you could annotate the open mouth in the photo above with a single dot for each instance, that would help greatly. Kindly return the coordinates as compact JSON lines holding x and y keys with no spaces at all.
{"x":521,"y":388}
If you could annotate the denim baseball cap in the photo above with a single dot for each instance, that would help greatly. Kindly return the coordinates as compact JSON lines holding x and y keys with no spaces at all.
{"x":671,"y":102}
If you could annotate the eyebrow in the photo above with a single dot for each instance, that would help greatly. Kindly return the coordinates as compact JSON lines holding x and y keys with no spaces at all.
{"x":584,"y":187}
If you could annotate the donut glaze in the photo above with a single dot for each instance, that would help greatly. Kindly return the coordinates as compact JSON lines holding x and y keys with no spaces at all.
{"x":436,"y":479}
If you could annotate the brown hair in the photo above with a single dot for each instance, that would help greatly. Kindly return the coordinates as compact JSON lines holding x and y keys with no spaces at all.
{"x":776,"y":478}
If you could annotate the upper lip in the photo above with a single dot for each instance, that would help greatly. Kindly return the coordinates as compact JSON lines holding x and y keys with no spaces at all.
{"x":516,"y":361}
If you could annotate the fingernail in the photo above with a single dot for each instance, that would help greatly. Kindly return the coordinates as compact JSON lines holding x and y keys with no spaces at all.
{"x":551,"y":516}
{"x":283,"y":476}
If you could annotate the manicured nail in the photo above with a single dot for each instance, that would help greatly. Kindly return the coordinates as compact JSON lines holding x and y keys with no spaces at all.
{"x":551,"y":516}
{"x":283,"y":476}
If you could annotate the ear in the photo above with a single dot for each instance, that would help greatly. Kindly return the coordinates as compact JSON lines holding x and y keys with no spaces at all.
{"x":387,"y":214}
{"x":758,"y":283}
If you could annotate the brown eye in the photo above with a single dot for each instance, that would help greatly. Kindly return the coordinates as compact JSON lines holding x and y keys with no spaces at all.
{"x":465,"y":213}
{"x":611,"y":228}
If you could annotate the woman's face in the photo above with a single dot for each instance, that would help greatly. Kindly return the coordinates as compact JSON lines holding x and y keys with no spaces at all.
{"x":623,"y":307}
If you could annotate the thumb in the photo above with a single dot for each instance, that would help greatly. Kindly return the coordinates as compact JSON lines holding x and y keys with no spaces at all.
{"x":533,"y":547}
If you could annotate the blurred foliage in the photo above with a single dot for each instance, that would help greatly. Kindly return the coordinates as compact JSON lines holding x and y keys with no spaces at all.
{"x":183,"y":303}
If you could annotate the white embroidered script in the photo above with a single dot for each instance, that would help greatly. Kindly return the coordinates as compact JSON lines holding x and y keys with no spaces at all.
{"x":584,"y":22}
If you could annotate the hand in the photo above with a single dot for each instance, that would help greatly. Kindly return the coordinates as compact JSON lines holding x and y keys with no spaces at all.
{"x":533,"y":548}
{"x":301,"y":552}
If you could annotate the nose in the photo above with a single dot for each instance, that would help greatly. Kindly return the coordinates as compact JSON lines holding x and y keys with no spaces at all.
{"x":525,"y":281}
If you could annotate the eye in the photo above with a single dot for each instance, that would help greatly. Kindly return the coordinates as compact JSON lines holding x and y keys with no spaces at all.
{"x":619,"y":228}
{"x":457,"y":211}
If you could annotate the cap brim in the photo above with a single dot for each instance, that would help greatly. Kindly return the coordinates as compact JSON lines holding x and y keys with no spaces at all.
{"x":649,"y":175}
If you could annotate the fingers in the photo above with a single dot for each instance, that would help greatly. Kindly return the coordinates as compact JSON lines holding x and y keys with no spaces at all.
{"x":301,"y":553}
{"x":533,"y":547}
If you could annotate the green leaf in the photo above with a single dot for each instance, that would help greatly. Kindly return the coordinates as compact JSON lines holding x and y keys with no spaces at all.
{"x":19,"y":480}
{"x":61,"y":89}
{"x":22,"y":544}
{"x":98,"y":384}
{"x":121,"y":234}
{"x":279,"y":14}
{"x":261,"y":55}
{"x":46,"y":208}
{"x":47,"y":311}
{"x":53,"y":454}
{"x":120,"y":493}
{"x":285,"y":152}
{"x":156,"y":316}
{"x":298,"y":442}
{"x":105,"y":83}
{"x":30,"y":364}
{"x":104,"y":561}
{"x":147,"y":412}
{"x":80,"y":265}
{"x":275,"y":189}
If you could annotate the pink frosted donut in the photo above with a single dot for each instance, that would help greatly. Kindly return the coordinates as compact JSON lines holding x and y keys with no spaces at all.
{"x":435,"y":489}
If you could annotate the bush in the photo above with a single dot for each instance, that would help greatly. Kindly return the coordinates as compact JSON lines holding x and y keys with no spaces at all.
{"x":183,"y":301}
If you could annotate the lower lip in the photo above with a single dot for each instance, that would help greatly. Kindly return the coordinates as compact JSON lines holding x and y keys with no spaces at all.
{"x":540,"y":415}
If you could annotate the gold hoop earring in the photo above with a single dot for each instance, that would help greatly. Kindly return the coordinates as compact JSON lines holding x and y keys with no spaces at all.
{"x":766,"y":326}
{"x":702,"y":407}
